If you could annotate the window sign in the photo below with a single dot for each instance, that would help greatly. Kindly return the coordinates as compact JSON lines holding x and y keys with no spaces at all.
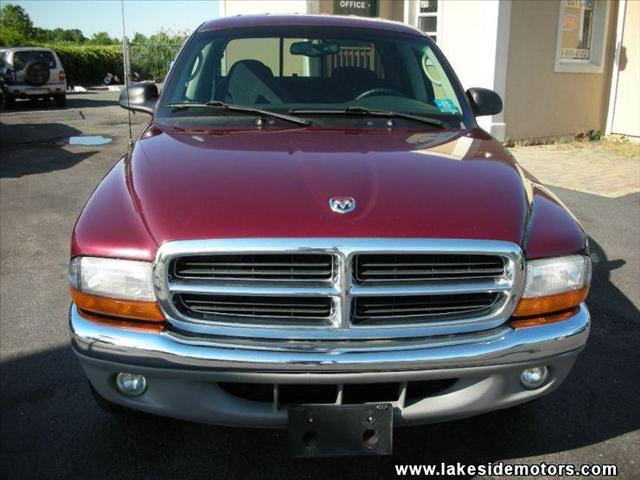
{"x":363,"y":8}
{"x":577,"y":28}
{"x":582,"y":26}
{"x":428,"y":17}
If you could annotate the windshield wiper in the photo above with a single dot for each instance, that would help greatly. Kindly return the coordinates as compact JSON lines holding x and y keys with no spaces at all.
{"x":353,"y":110}
{"x":240,"y":109}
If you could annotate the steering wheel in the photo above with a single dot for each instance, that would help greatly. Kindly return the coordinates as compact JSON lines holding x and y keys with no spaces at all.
{"x":379,"y":91}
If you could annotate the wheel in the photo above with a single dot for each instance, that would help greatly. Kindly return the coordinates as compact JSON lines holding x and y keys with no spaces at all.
{"x":8,"y":100}
{"x":61,"y":100}
{"x":108,"y":406}
{"x":36,"y":73}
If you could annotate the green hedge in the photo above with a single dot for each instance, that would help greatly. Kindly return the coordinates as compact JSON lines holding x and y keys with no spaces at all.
{"x":86,"y":64}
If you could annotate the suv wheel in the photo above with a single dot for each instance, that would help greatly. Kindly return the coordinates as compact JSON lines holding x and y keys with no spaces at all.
{"x":8,"y":100}
{"x":108,"y":406}
{"x":61,"y":100}
{"x":36,"y":73}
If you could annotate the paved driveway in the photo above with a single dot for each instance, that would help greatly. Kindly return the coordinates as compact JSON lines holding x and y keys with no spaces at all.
{"x":50,"y":426}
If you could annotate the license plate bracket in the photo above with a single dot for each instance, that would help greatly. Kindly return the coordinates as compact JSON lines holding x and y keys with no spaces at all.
{"x":340,"y":430}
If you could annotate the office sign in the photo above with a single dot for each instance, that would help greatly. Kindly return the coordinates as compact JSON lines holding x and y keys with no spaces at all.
{"x":363,"y":8}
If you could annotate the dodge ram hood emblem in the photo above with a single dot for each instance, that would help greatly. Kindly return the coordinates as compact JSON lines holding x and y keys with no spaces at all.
{"x":342,"y":204}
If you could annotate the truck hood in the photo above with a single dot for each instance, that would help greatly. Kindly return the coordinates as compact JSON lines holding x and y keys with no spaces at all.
{"x":203,"y":183}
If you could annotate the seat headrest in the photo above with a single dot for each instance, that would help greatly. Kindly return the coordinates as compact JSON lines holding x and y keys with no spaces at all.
{"x":255,"y":66}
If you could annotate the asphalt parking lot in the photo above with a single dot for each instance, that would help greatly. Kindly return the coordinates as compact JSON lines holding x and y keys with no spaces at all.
{"x":50,"y":426}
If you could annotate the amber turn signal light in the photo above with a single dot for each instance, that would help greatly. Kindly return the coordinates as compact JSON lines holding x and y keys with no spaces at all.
{"x":135,"y":310}
{"x":137,"y":325}
{"x":531,"y":306}
{"x":542,"y":320}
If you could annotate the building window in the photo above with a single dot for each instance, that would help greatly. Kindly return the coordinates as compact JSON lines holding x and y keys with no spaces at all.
{"x":427,"y":16}
{"x":582,"y":33}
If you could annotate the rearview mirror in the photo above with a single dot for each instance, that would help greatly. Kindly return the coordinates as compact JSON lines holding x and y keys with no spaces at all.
{"x":139,"y":97}
{"x":314,"y":48}
{"x":484,"y":101}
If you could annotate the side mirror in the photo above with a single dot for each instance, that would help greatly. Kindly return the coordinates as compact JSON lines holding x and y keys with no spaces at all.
{"x":484,"y":101}
{"x":139,"y":97}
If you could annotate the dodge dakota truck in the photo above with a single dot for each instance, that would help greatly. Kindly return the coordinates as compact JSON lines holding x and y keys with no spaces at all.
{"x":313,"y":233}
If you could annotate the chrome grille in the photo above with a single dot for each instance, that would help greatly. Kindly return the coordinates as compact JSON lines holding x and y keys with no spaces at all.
{"x":254,"y":307}
{"x":421,"y":308}
{"x":255,"y":267}
{"x":425,"y":267}
{"x":372,"y":289}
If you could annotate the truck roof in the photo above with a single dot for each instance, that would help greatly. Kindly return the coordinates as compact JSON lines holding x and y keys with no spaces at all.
{"x":267,"y":20}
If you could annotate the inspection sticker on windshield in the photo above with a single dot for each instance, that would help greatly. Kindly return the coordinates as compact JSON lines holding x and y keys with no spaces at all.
{"x":446,"y":105}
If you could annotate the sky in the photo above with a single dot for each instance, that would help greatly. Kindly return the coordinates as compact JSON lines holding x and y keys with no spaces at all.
{"x":144,"y":16}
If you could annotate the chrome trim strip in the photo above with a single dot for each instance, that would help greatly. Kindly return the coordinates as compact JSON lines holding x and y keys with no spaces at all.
{"x":430,"y":289}
{"x":503,"y":345}
{"x":342,"y":289}
{"x":257,"y":290}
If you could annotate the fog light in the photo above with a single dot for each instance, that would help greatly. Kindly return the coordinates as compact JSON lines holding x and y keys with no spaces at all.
{"x":534,"y":377}
{"x":131,"y":384}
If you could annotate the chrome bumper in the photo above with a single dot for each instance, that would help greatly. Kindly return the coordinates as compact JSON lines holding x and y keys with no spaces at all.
{"x":500,"y":346}
{"x":184,"y":374}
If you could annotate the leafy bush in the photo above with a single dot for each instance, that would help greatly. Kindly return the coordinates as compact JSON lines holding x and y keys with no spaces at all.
{"x":11,"y":36}
{"x":152,"y":62}
{"x":86,"y":64}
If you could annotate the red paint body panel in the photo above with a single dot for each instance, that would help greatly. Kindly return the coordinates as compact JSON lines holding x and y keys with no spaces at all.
{"x":220,"y":183}
{"x":553,"y":231}
{"x":111,"y":224}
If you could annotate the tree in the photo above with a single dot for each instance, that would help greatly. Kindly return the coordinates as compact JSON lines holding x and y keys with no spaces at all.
{"x":139,"y":39}
{"x":13,"y":17}
{"x":16,"y":27}
{"x":102,"y":38}
{"x":73,"y":35}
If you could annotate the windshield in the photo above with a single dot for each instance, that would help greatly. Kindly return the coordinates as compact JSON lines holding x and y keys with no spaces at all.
{"x":306,"y":71}
{"x":21,"y":58}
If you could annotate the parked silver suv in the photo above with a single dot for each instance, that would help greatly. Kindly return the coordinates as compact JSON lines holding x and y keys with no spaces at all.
{"x":31,"y":72}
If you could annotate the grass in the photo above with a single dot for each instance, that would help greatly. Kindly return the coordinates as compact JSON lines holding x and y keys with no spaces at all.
{"x":622,"y":147}
{"x":595,"y":139}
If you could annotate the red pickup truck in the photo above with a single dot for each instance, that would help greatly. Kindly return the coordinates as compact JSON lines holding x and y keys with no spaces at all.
{"x":313,"y":233}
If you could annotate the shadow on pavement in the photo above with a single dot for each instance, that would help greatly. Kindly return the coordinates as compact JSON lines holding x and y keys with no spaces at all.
{"x":85,"y":100}
{"x":51,"y":427}
{"x":29,"y":149}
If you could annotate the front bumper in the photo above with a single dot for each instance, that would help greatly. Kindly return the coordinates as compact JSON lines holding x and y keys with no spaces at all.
{"x":183,"y":373}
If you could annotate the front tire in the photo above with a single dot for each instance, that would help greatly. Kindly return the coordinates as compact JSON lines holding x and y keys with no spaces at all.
{"x":61,"y":100}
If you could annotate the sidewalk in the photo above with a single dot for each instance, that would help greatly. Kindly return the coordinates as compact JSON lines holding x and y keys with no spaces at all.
{"x":587,"y":168}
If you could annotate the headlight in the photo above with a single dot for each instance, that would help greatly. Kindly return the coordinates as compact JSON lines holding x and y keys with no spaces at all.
{"x":554,"y":284}
{"x":120,"y":288}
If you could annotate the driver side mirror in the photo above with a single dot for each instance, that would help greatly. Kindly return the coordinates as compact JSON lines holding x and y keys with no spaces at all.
{"x":484,"y":101}
{"x":139,"y":97}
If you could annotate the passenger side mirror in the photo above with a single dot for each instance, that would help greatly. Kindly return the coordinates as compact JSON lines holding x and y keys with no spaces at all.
{"x":484,"y":101}
{"x":139,"y":97}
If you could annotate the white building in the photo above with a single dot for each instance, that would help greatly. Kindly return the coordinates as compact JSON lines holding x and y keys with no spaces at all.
{"x":563,"y":67}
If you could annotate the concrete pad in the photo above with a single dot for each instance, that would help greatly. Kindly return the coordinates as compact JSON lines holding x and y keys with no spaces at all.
{"x":588,"y":169}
